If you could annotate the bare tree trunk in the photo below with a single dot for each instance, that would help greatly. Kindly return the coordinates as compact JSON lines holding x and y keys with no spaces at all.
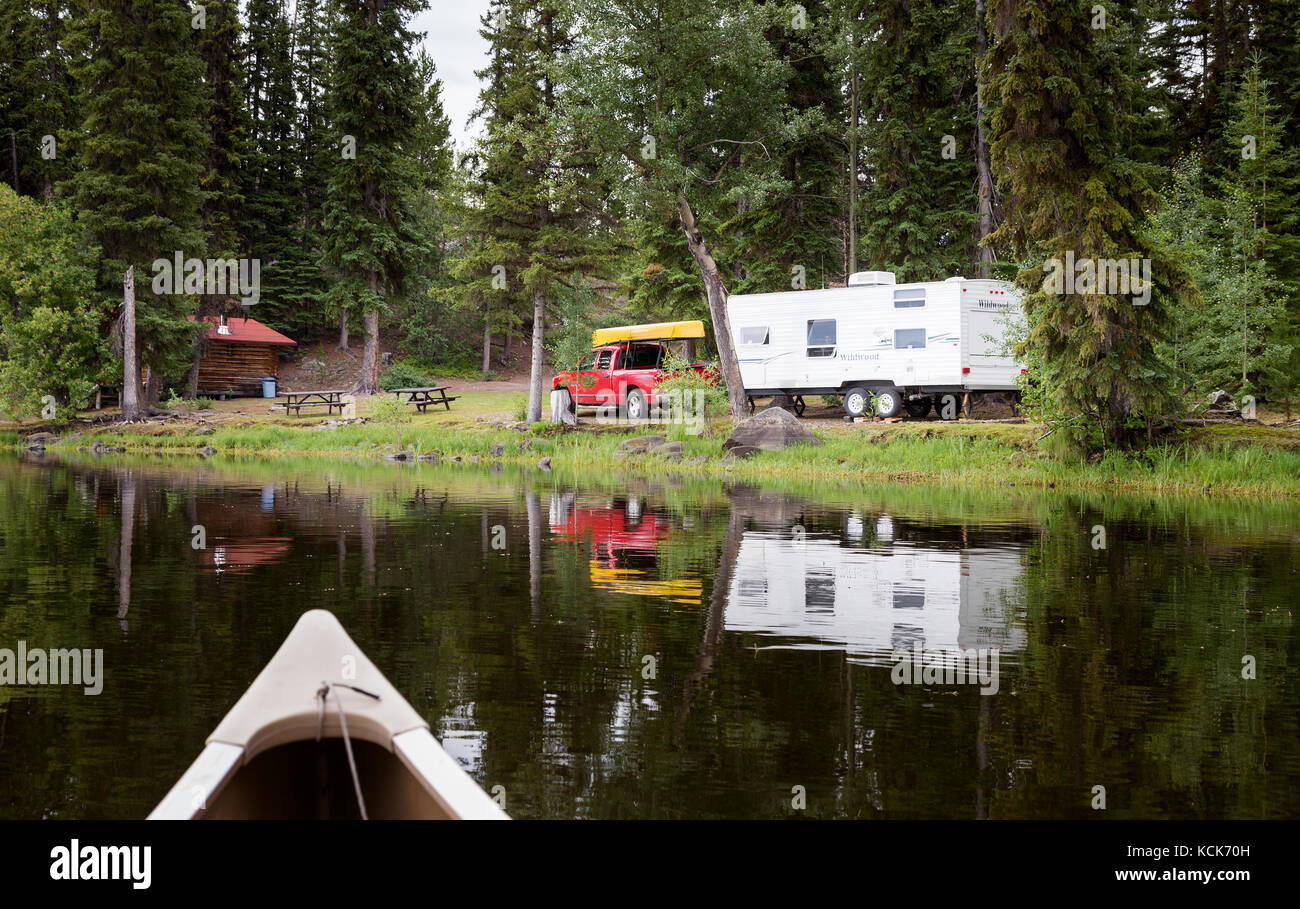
{"x":535,"y":376}
{"x":487,"y":345}
{"x":152,"y":388}
{"x":132,"y":408}
{"x":13,"y":150}
{"x":717,"y":295}
{"x":343,"y":330}
{"x":368,"y":384}
{"x":985,"y":255}
{"x":128,"y":490}
{"x":534,"y":506}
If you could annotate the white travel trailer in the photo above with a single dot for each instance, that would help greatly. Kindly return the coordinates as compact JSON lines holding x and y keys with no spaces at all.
{"x":913,"y":346}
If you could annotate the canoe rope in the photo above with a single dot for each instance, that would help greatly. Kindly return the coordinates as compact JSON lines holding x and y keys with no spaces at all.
{"x":322,"y":694}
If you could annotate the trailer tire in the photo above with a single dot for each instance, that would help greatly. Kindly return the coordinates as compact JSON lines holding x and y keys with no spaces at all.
{"x":857,"y":400}
{"x":635,"y":408}
{"x":889,"y":401}
{"x":919,"y":408}
{"x":948,"y":404}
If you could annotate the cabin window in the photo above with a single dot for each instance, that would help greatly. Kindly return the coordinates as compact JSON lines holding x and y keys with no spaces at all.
{"x":603,"y":361}
{"x":821,"y":337}
{"x":908,"y":297}
{"x":754,"y":335}
{"x":909,"y":337}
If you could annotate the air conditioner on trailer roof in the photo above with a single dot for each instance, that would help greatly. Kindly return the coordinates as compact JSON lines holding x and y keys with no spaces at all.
{"x":870,"y":278}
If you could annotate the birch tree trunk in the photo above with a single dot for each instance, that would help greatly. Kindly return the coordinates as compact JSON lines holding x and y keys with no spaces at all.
{"x":132,"y":393}
{"x":716,"y":292}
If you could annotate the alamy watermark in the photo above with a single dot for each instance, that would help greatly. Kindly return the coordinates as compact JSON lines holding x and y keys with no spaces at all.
{"x":53,"y":667}
{"x":684,"y":407}
{"x":1130,"y":277}
{"x":947,"y":666}
{"x":219,"y":277}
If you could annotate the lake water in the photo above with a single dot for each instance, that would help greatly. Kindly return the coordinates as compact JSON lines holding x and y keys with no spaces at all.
{"x":672,"y":648}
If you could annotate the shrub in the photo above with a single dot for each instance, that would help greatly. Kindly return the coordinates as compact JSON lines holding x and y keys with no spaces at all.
{"x":404,"y":374}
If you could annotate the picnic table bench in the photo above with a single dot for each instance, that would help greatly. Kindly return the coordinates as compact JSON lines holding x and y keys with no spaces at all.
{"x":423,"y":397}
{"x":328,"y":398}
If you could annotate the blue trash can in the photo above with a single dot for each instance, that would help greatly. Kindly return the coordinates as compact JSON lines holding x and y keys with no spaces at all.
{"x":268,"y":387}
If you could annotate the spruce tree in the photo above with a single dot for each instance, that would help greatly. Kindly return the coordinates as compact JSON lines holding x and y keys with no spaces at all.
{"x":1060,"y":91}
{"x":37,"y":107}
{"x":140,"y":149}
{"x":369,"y":236}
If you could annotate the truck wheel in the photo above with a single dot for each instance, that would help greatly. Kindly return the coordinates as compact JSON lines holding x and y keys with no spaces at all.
{"x":918,"y":408}
{"x":856,"y":401}
{"x":888,"y":402}
{"x":636,"y":406}
{"x":948,"y":406}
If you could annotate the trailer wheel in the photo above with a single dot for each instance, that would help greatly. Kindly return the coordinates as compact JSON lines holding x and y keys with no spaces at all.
{"x":635,"y":407}
{"x":856,"y":401}
{"x":918,"y":408}
{"x":889,"y":401}
{"x":948,"y":406}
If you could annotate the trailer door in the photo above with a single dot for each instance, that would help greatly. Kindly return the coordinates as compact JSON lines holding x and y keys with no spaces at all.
{"x":985,"y":344}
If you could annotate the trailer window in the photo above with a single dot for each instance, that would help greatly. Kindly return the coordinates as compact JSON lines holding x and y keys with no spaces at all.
{"x":909,"y":337}
{"x":821,"y":337}
{"x":908,"y":297}
{"x":754,"y":335}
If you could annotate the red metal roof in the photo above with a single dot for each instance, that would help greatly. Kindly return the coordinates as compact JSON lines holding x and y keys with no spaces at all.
{"x":245,"y":331}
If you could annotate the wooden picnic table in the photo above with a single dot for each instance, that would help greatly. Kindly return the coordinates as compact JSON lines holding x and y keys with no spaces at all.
{"x":327,"y":398}
{"x":423,"y":397}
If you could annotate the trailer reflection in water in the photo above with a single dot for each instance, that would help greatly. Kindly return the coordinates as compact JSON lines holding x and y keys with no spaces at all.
{"x":870,"y":600}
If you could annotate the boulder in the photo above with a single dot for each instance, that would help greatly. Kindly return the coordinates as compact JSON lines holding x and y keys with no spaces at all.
{"x":40,"y":437}
{"x":771,"y":430}
{"x":398,"y":456}
{"x":642,"y":443}
{"x":204,"y":431}
{"x":544,"y":463}
{"x":497,"y":450}
{"x":207,"y":451}
{"x":1222,"y":400}
{"x":739,"y":453}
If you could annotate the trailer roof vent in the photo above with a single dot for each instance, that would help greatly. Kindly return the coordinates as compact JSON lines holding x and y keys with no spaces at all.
{"x":870,"y":278}
{"x":955,"y":278}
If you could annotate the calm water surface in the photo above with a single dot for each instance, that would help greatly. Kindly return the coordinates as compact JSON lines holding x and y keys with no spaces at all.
{"x":667,"y":650}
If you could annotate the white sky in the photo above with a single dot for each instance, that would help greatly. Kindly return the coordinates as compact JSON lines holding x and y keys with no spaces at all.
{"x":452,"y":39}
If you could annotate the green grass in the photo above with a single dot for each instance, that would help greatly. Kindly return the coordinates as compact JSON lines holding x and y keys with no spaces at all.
{"x":1228,"y":460}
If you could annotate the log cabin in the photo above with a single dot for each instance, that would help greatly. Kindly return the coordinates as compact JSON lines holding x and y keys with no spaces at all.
{"x":239,"y":354}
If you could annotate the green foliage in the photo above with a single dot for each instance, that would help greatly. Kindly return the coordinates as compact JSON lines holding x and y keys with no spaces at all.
{"x":386,"y":409}
{"x":1070,"y":184}
{"x":404,"y":374}
{"x":572,"y":341}
{"x":140,"y":147}
{"x":50,"y":312}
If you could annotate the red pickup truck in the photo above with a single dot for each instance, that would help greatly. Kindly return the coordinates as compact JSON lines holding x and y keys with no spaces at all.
{"x":625,"y":367}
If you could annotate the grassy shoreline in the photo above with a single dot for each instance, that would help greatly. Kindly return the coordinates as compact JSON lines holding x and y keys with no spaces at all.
{"x":1233,"y":460}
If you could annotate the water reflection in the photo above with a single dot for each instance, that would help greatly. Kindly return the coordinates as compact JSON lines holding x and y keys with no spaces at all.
{"x":666,"y":649}
{"x":870,"y":598}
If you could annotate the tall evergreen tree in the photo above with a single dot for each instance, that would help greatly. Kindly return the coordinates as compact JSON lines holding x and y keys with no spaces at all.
{"x":36,"y":95}
{"x":221,"y":212}
{"x":919,"y":205}
{"x":271,"y":166}
{"x":374,"y":101}
{"x":1059,"y":131}
{"x":140,"y":149}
